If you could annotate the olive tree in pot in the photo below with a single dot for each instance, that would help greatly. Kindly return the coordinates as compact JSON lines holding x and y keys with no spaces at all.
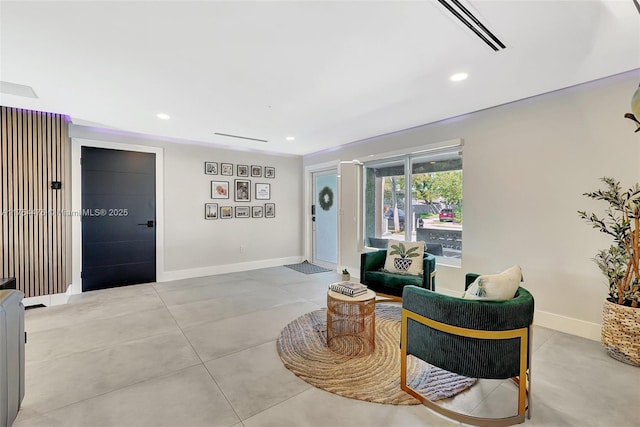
{"x":620,"y":264}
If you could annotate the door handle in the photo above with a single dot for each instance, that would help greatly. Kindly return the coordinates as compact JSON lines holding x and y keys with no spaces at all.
{"x":148,"y":223}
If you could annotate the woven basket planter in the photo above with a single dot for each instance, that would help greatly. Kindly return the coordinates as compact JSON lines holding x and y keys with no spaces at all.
{"x":621,"y":332}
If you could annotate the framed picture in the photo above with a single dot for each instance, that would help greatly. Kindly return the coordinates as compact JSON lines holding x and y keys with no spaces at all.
{"x":219,"y":189}
{"x":263,"y":192}
{"x":226,"y":212}
{"x":256,"y":170}
{"x":211,"y":168}
{"x":226,"y":169}
{"x":257,"y":211}
{"x":210,"y":211}
{"x":269,"y":172}
{"x":243,"y":190}
{"x":243,"y":170}
{"x":269,"y":210}
{"x":242,"y":211}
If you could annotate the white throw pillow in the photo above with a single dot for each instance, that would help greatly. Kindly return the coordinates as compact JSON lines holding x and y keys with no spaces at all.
{"x":495,"y":287}
{"x":404,"y":257}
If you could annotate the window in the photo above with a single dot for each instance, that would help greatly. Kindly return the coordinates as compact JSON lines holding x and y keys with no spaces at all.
{"x":434,"y":213}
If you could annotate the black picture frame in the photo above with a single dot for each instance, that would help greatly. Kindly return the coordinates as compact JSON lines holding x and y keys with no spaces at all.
{"x":226,"y":169}
{"x":210,"y":211}
{"x":269,"y":210}
{"x":257,"y":211}
{"x":269,"y":172}
{"x":211,"y":168}
{"x":242,"y":191}
{"x":242,"y":170}
{"x":256,"y":171}
{"x":219,"y":189}
{"x":263,"y":191}
{"x":242,"y":212}
{"x":226,"y":212}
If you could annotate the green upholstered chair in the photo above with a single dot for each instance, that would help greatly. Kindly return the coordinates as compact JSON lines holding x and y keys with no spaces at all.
{"x":390,"y":285}
{"x":478,"y":339}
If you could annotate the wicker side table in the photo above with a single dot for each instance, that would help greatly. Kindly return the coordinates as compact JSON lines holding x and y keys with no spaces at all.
{"x":351,"y":323}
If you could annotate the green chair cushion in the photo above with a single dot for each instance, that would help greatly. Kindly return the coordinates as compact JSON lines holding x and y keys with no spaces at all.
{"x":390,"y":283}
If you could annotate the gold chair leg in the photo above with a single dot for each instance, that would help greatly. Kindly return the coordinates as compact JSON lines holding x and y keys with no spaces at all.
{"x":525,"y":345}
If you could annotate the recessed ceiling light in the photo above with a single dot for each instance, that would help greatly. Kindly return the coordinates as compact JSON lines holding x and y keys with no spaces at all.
{"x":163,"y":116}
{"x":290,"y":138}
{"x":458,"y":77}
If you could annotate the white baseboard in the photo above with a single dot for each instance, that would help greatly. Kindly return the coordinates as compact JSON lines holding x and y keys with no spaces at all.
{"x":73,"y":289}
{"x":554,"y":321}
{"x":49,"y":300}
{"x":568,"y":325}
{"x":227,"y":268}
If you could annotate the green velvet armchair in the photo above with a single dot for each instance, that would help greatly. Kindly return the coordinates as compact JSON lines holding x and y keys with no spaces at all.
{"x":390,"y":285}
{"x":478,"y":339}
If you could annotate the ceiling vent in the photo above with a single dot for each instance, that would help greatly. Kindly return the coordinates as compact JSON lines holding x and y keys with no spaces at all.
{"x":18,"y":90}
{"x":473,"y":23}
{"x":240,"y":137}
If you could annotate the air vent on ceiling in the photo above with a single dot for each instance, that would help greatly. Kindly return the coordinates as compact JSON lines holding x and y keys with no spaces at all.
{"x":240,"y":137}
{"x":17,"y":89}
{"x":473,"y":23}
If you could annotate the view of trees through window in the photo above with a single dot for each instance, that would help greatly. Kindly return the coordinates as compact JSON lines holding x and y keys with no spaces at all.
{"x":435,"y":213}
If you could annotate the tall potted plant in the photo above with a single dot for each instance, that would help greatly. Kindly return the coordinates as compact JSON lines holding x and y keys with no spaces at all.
{"x":620,"y":264}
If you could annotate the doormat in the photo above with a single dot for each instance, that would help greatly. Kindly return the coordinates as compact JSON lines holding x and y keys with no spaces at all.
{"x":307,"y":268}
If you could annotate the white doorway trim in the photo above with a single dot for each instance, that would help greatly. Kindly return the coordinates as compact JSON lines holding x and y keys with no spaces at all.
{"x":307,"y":240}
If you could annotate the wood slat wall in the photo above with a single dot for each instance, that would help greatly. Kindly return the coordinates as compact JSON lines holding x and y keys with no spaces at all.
{"x":34,"y":219}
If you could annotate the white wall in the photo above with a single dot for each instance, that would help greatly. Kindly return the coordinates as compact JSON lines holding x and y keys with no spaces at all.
{"x":194,"y":246}
{"x":526,"y":165}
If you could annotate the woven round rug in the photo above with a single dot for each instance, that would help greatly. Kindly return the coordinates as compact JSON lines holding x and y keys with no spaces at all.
{"x":302,"y":346}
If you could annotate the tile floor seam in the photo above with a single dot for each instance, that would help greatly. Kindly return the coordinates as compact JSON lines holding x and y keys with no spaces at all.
{"x":93,"y":349}
{"x":310,"y":387}
{"x":239,"y":315}
{"x":543,"y":343}
{"x":106,"y":317}
{"x":202,"y":362}
{"x":48,"y":413}
{"x":484,"y":399}
{"x":237,"y":351}
{"x":223,"y":394}
{"x":284,"y":401}
{"x":195,"y":325}
{"x":186,"y":337}
{"x":225,"y":355}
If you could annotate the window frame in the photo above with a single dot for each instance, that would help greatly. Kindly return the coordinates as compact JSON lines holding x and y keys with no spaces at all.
{"x":408,"y":160}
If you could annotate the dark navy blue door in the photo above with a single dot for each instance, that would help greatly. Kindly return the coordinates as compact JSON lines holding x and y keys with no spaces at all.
{"x":118,"y":218}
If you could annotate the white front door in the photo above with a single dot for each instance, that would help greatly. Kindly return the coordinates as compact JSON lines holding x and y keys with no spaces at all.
{"x":325,"y":225}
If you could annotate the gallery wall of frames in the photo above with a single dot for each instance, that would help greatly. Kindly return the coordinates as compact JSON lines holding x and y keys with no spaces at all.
{"x":247,"y":186}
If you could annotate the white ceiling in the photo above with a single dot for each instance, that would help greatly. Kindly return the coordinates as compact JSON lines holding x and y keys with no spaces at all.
{"x":326,"y":72}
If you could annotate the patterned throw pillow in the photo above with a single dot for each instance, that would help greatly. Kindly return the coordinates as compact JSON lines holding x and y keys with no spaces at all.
{"x":495,"y":287}
{"x":404,"y":257}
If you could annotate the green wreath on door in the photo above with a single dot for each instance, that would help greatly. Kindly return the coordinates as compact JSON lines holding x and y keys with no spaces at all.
{"x":325,"y":198}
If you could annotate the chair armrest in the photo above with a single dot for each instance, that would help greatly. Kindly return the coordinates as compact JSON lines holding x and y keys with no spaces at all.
{"x":429,"y":271}
{"x":372,"y":261}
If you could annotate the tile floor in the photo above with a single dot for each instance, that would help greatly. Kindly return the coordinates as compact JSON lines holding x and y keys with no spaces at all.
{"x":201,"y":352}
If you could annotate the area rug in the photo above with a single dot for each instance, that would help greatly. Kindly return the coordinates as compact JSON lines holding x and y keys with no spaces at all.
{"x":307,"y":268}
{"x":303,"y":349}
